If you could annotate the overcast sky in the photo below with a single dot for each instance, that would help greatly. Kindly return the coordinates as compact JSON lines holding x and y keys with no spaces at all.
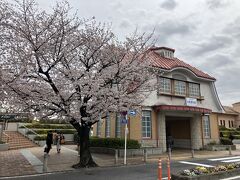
{"x":204,"y":33}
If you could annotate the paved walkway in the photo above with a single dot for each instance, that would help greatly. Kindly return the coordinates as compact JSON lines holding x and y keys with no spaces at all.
{"x":30,"y":161}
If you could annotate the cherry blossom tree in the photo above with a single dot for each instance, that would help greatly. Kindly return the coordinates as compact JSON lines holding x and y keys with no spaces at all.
{"x":56,"y":64}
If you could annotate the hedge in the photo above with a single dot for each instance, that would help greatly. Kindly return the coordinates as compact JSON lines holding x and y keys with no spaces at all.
{"x":45,"y":131}
{"x":48,"y":126}
{"x":115,"y":143}
{"x":1,"y":142}
{"x":40,"y":138}
{"x":226,"y":141}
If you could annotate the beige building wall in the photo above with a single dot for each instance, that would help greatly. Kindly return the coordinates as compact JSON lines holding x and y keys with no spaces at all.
{"x":135,"y":127}
{"x":214,"y":129}
{"x":227,"y":118}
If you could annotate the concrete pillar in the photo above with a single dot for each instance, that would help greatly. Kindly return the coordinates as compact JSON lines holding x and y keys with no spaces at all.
{"x":162,"y":131}
{"x":195,"y":126}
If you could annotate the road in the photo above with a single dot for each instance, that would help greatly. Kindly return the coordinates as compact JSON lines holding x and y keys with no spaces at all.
{"x":134,"y":172}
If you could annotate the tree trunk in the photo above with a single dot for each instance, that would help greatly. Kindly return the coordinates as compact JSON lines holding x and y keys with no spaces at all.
{"x":85,"y":154}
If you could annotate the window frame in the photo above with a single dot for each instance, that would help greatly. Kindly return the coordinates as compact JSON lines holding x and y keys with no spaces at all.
{"x":118,"y":125}
{"x":145,"y":127}
{"x":164,"y":85}
{"x":172,"y":91}
{"x":206,"y":127}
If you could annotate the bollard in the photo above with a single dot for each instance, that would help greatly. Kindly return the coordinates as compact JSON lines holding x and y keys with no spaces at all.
{"x":145,"y":155}
{"x":45,"y":162}
{"x":116,"y":156}
{"x":159,"y":169}
{"x":192,"y":151}
{"x":168,"y":169}
{"x":169,"y":153}
{"x":230,"y":150}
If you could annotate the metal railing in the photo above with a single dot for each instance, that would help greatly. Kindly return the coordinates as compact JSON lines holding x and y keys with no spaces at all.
{"x":8,"y":137}
{"x":26,"y":130}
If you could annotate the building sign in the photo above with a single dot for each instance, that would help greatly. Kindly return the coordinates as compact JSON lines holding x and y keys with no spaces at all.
{"x":132,"y":112}
{"x":6,"y":117}
{"x":191,"y":101}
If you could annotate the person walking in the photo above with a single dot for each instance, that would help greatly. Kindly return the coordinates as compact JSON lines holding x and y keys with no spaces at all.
{"x":58,"y":142}
{"x":55,"y":137}
{"x":49,"y":141}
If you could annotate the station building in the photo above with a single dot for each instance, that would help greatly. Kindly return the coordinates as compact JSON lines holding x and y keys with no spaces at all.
{"x":185,"y":106}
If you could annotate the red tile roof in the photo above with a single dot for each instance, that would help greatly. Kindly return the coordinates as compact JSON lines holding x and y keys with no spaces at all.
{"x":169,"y":64}
{"x":230,"y":110}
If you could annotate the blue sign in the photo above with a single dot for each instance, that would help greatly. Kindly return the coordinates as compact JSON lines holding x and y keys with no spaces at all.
{"x":124,"y":121}
{"x":132,"y":112}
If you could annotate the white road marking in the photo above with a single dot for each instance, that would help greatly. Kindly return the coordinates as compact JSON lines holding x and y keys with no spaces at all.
{"x":33,"y":160}
{"x":197,"y":164}
{"x":233,"y":160}
{"x":235,"y":177}
{"x":226,"y":158}
{"x":33,"y":175}
{"x":75,"y":151}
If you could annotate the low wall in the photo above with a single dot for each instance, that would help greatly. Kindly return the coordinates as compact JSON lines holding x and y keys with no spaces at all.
{"x":11,"y":127}
{"x":130,"y":152}
{"x":236,"y":141}
{"x":219,"y":147}
{"x":4,"y":147}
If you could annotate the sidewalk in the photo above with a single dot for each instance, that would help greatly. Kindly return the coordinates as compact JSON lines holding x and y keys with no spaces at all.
{"x":30,"y":161}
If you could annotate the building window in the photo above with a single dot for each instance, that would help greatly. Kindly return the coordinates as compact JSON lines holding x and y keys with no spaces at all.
{"x":229,"y":124}
{"x":165,"y":85}
{"x":118,"y":125}
{"x":99,"y":126}
{"x":194,"y":90}
{"x":146,"y":124}
{"x":232,"y":124}
{"x":221,"y":123}
{"x":206,"y":126}
{"x":180,"y":88}
{"x":224,"y":123}
{"x":107,"y":126}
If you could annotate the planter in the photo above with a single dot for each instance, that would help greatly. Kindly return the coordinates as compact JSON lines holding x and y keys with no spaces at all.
{"x":236,"y":141}
{"x":4,"y":147}
{"x":130,"y":152}
{"x":215,"y":176}
{"x":219,"y":147}
{"x":40,"y":143}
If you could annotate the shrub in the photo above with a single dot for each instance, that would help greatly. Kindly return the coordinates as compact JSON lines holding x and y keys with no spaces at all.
{"x":236,"y":136}
{"x":116,"y":143}
{"x":40,"y":138}
{"x":1,"y":142}
{"x":212,"y":143}
{"x":45,"y":131}
{"x":226,"y":141}
{"x":48,"y":126}
{"x":223,"y":128}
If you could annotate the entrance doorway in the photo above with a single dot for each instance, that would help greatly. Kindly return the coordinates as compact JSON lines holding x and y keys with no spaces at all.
{"x":178,"y":129}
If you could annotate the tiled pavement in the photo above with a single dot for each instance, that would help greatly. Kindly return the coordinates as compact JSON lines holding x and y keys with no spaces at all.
{"x":13,"y":163}
{"x":30,"y":161}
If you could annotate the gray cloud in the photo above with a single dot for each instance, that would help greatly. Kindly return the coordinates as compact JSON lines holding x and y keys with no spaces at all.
{"x":169,"y":4}
{"x":165,"y":30}
{"x":125,"y":23}
{"x":233,"y":28}
{"x":216,"y":61}
{"x":211,"y":44}
{"x":214,"y":4}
